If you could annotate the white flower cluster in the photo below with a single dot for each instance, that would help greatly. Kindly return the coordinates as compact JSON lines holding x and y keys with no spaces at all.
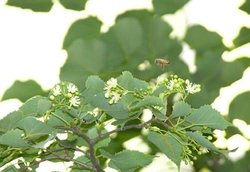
{"x":112,"y":91}
{"x":192,"y":88}
{"x":65,"y":93}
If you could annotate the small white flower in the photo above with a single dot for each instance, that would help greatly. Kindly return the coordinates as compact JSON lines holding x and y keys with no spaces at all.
{"x":108,"y":94}
{"x":170,"y":85}
{"x":192,"y":88}
{"x":115,"y":98}
{"x":56,"y":90}
{"x":111,"y":83}
{"x":72,"y":88}
{"x":74,"y":101}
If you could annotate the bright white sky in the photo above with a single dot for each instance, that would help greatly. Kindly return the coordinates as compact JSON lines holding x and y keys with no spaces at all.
{"x":30,"y":43}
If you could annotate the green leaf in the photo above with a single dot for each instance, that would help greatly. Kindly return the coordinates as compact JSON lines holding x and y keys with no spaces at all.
{"x":200,"y":39}
{"x":168,"y":144}
{"x":129,"y":34}
{"x":202,"y":140}
{"x":10,"y":168}
{"x":10,"y":121}
{"x":34,"y":128}
{"x":88,"y":28}
{"x":181,"y":109}
{"x":58,"y":118}
{"x":74,"y":4}
{"x":243,"y":37}
{"x":150,"y":101}
{"x":239,"y":108}
{"x":23,"y":90}
{"x":207,"y":116}
{"x":35,"y":5}
{"x":128,"y":160}
{"x":162,"y":7}
{"x":127,"y":81}
{"x":14,"y":139}
{"x":36,"y":106}
{"x":246,"y":6}
{"x":93,"y":133}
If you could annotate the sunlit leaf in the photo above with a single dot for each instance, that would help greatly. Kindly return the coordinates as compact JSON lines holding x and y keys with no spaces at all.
{"x":246,"y":6}
{"x":243,"y":37}
{"x":168,"y":6}
{"x":74,"y":4}
{"x":35,"y":5}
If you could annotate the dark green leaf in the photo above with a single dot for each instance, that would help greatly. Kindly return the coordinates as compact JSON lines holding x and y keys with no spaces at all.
{"x":74,"y":4}
{"x":35,"y":5}
{"x":162,"y":7}
{"x":202,"y":140}
{"x":207,"y":116}
{"x":243,"y":37}
{"x":23,"y":90}
{"x":181,"y":109}
{"x":168,"y":144}
{"x":14,"y":139}
{"x":128,"y":160}
{"x":246,"y":6}
{"x":239,"y":108}
{"x":200,"y":39}
{"x":36,"y":106}
{"x":10,"y":121}
{"x":85,"y":28}
{"x":34,"y":128}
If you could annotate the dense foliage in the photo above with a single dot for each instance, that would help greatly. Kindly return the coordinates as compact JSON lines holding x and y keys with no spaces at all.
{"x":136,"y":39}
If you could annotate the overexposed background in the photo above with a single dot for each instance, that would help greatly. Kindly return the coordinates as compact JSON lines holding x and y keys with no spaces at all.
{"x":31,"y":46}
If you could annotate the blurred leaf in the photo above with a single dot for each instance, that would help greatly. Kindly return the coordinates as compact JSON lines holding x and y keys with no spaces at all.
{"x":34,"y":128}
{"x":36,"y":106}
{"x":14,"y":139}
{"x":10,"y":121}
{"x":88,"y":28}
{"x":200,"y":39}
{"x":35,"y":5}
{"x":243,"y":37}
{"x":23,"y":90}
{"x":207,"y":116}
{"x":74,"y":4}
{"x":246,"y":6}
{"x":168,"y":144}
{"x":181,"y":109}
{"x":202,"y":141}
{"x":128,"y":160}
{"x":162,"y":7}
{"x":10,"y":168}
{"x":239,"y":108}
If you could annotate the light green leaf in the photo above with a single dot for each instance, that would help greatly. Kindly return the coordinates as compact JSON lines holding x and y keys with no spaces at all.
{"x":34,"y":128}
{"x":129,"y":34}
{"x":14,"y":139}
{"x":23,"y":90}
{"x":10,"y":168}
{"x":128,"y":160}
{"x":10,"y":121}
{"x":207,"y":116}
{"x":168,"y":144}
{"x":74,"y":4}
{"x":36,"y":106}
{"x":202,"y":140}
{"x":127,"y":81}
{"x":181,"y":109}
{"x":88,"y":28}
{"x":35,"y":5}
{"x":162,"y":7}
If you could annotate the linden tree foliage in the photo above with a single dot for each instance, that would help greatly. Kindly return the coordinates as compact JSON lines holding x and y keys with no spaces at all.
{"x":32,"y":133}
{"x":136,"y":39}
